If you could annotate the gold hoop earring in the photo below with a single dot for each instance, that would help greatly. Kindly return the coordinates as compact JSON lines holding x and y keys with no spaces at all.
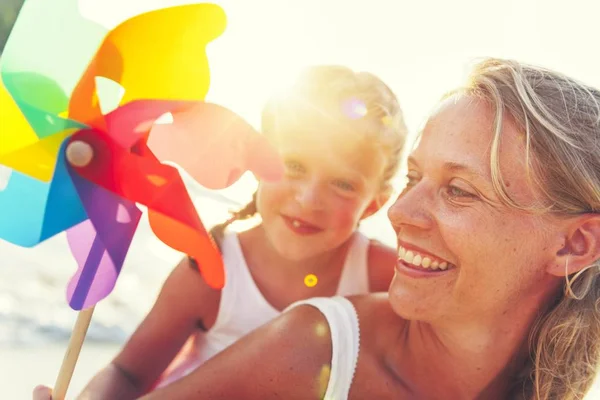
{"x":570,"y":282}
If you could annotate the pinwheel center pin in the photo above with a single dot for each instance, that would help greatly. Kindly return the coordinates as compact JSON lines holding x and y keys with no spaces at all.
{"x":79,"y":153}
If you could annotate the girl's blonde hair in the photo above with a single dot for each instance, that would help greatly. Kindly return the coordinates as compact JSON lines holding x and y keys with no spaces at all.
{"x":334,"y":99}
{"x":560,"y":121}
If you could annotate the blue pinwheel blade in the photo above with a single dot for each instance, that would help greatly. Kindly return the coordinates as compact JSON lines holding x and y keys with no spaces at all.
{"x":33,"y":211}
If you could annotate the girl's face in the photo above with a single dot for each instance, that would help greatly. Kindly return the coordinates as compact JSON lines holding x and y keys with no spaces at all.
{"x":463,"y":255}
{"x":331,"y":182}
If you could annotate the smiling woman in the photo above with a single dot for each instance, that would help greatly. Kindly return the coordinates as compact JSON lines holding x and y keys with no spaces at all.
{"x":505,"y":184}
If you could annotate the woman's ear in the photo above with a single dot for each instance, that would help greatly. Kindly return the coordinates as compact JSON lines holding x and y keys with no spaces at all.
{"x":581,"y":246}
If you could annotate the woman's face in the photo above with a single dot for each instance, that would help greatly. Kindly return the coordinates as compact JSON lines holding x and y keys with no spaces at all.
{"x":463,"y":255}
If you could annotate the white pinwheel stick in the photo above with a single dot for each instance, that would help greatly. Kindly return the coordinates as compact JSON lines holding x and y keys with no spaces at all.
{"x":78,"y":154}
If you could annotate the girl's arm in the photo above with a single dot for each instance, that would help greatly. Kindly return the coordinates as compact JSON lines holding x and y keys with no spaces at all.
{"x":288,"y":358}
{"x":184,"y":301}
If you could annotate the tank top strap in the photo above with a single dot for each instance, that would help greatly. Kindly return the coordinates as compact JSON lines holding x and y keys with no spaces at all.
{"x":233,"y":263}
{"x":240,"y":297}
{"x":355,"y":274}
{"x":343,"y":324}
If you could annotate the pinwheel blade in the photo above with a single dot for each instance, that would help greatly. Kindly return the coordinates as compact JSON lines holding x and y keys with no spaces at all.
{"x":141,"y":178}
{"x":100,"y":243}
{"x":24,"y":149}
{"x":53,"y":41}
{"x":149,"y":63}
{"x":215,"y":146}
{"x":132,"y":122}
{"x":193,"y":241}
{"x":33,"y":211}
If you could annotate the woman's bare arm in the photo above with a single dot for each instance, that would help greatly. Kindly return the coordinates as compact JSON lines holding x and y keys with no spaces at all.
{"x":288,"y":358}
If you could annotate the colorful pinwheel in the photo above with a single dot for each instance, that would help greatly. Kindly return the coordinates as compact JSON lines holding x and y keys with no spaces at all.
{"x":80,"y":169}
{"x":77,"y":167}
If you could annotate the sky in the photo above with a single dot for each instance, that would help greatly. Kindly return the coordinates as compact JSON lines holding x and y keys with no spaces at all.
{"x":421,"y":49}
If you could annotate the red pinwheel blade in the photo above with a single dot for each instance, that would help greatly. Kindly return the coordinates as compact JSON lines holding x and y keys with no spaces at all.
{"x":132,"y":122}
{"x":142,"y":179}
{"x":215,"y":146}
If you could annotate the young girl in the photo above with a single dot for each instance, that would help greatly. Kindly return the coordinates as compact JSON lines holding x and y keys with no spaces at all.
{"x":340,"y":134}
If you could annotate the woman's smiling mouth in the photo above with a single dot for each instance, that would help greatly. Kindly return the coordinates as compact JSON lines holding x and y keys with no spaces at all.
{"x":418,"y":263}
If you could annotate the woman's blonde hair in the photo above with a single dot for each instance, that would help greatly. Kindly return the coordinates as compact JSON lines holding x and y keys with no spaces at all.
{"x":560,"y":121}
{"x":334,"y":99}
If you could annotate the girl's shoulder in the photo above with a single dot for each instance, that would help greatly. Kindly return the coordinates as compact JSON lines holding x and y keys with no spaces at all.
{"x":381,"y":265}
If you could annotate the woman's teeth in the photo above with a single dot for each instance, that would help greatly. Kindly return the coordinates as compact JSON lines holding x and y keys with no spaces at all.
{"x":296,"y":223}
{"x":419,"y":260}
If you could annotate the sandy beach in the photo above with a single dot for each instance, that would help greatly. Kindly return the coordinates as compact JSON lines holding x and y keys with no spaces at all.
{"x":24,"y":367}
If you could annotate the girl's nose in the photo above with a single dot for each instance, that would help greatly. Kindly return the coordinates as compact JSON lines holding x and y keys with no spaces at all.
{"x":309,"y":196}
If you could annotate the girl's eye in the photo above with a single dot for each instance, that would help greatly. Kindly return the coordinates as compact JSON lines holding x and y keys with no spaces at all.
{"x":294,"y":167}
{"x":346,"y":186}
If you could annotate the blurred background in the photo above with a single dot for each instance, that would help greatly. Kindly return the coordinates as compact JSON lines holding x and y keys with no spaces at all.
{"x":421,"y":49}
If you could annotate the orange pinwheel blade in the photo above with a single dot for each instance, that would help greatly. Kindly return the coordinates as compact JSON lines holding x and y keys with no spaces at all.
{"x":196,"y":243}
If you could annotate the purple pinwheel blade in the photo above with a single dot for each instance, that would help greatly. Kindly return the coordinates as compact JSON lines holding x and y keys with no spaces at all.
{"x":99,"y":244}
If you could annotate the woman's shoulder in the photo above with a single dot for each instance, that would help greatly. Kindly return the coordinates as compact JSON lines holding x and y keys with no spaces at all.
{"x":372,"y":306}
{"x":366,"y":307}
{"x":276,"y":360}
{"x":376,"y":318}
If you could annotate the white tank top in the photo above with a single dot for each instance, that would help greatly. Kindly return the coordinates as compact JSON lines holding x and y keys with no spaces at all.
{"x":345,"y":342}
{"x":243,"y":308}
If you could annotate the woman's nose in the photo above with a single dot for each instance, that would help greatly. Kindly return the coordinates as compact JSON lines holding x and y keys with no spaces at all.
{"x":413,"y":207}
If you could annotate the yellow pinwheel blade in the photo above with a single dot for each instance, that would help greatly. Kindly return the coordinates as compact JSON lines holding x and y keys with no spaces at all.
{"x":12,"y":120}
{"x":157,"y":55}
{"x":37,"y":160}
{"x":20,"y":147}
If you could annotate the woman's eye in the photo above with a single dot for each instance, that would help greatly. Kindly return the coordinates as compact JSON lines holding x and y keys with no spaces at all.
{"x":412,"y":179}
{"x":456,"y":192}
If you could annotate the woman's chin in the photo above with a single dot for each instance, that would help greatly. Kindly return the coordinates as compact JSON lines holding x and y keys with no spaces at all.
{"x":414,"y":304}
